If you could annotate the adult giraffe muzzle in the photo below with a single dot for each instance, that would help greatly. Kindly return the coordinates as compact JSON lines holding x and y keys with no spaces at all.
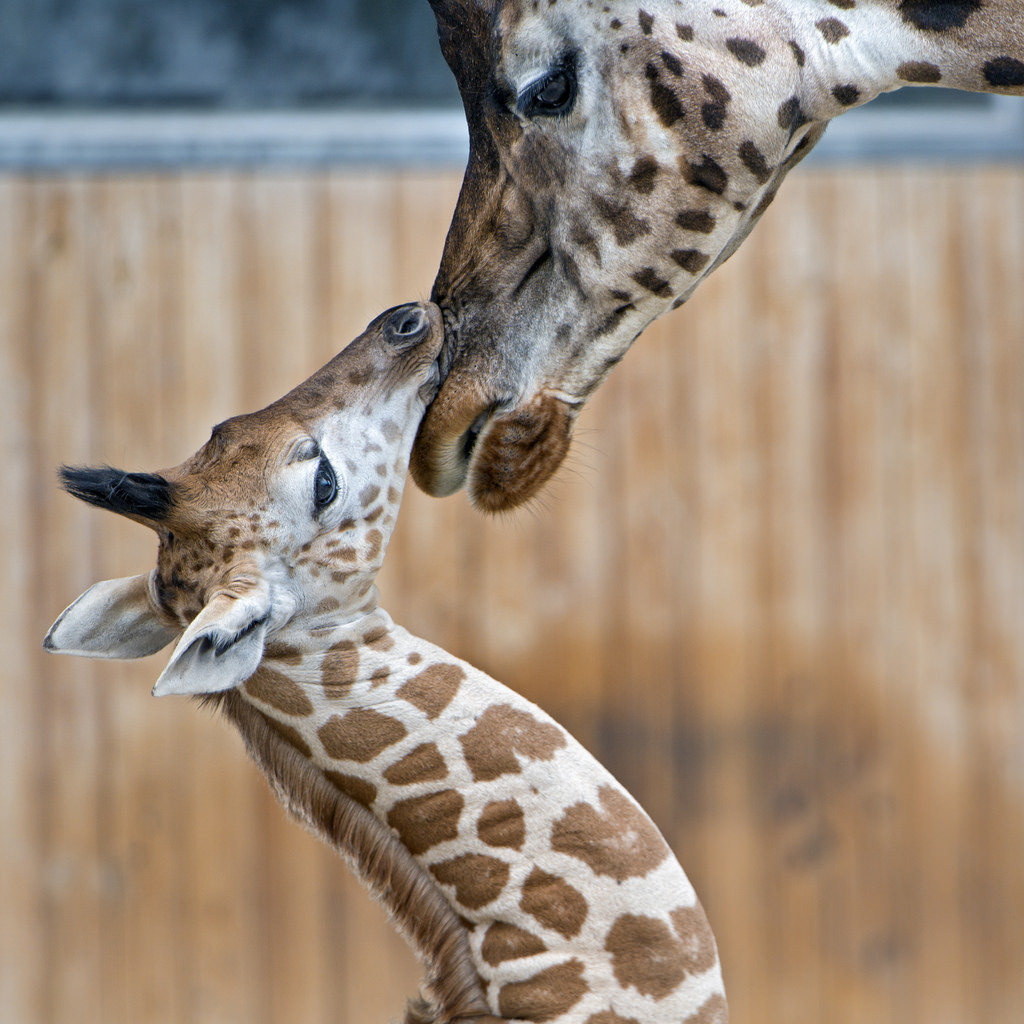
{"x":620,"y":152}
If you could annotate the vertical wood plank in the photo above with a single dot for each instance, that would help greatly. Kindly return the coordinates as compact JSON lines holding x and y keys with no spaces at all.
{"x":991,"y":252}
{"x":866,"y":267}
{"x":936,"y":637}
{"x":22,"y":979}
{"x":67,"y":729}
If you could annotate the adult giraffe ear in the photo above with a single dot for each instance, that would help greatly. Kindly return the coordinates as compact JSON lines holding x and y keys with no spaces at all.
{"x":112,"y":619}
{"x":222,"y":646}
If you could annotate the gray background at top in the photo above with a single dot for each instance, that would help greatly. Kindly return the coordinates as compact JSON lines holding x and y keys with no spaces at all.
{"x":227,"y":54}
{"x":316,"y":67}
{"x":233,"y":54}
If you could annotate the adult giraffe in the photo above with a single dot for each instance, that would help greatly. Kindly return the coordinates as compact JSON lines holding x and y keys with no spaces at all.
{"x":620,"y":151}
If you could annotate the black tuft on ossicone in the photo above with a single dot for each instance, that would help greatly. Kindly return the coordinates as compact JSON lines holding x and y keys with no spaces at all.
{"x":140,"y":495}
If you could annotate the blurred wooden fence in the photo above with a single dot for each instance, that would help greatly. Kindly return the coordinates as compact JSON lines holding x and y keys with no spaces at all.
{"x":779,"y":589}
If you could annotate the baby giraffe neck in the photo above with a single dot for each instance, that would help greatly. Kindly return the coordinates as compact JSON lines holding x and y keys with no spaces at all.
{"x":529,"y":882}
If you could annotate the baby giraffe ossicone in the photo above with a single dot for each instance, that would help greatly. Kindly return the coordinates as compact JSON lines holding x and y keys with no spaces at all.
{"x":531,"y":885}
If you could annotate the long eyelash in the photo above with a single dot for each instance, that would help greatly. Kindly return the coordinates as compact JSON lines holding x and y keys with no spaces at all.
{"x":564,"y":65}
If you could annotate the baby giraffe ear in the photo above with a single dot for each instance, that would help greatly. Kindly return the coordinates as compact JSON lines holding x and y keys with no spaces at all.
{"x":221,"y":648}
{"x":112,"y":619}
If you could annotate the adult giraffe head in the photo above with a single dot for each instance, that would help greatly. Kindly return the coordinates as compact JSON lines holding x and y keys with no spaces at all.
{"x":620,"y":150}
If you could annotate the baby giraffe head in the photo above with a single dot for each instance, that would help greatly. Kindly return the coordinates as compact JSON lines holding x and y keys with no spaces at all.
{"x":276,"y":526}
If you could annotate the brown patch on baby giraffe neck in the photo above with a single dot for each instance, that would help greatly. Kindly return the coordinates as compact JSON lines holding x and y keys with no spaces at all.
{"x":326,"y":606}
{"x":422,"y":764}
{"x":547,"y":995}
{"x":554,"y":903}
{"x":424,"y":821}
{"x":360,"y":790}
{"x":618,"y":840}
{"x":754,"y":161}
{"x":1004,"y":72}
{"x":501,"y":823}
{"x":650,"y":279}
{"x":476,"y":878}
{"x":340,"y":668}
{"x":693,"y":261}
{"x":278,"y":691}
{"x":938,"y":15}
{"x":708,"y":174}
{"x":433,"y":689}
{"x":502,"y":732}
{"x":714,"y":1011}
{"x":714,"y":110}
{"x":846,"y":95}
{"x":277,"y":650}
{"x":645,"y":955}
{"x":375,"y":542}
{"x":691,"y":925}
{"x":379,"y":639}
{"x":360,"y":735}
{"x":507,"y":942}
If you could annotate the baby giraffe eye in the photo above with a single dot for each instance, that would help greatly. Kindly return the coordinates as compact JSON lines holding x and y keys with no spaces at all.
{"x":325,"y":485}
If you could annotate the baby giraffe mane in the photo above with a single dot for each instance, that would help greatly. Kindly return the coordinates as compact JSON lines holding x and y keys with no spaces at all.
{"x":413,"y":903}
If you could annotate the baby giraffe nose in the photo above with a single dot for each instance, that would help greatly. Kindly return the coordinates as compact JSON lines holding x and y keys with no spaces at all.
{"x":406,"y":325}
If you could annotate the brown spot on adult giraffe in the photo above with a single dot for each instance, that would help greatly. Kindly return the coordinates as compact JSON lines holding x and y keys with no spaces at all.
{"x":591,"y":127}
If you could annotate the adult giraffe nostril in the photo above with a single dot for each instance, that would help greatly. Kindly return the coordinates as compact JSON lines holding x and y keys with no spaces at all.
{"x":406,"y":325}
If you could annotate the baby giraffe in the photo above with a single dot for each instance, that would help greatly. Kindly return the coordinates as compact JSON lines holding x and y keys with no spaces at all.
{"x":531,"y":885}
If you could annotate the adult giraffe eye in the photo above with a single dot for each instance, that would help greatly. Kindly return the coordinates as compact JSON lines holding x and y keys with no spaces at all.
{"x":325,"y":485}
{"x":552,"y":95}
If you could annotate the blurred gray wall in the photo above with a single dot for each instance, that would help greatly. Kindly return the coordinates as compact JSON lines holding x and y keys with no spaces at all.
{"x":166,"y":83}
{"x":233,"y":54}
